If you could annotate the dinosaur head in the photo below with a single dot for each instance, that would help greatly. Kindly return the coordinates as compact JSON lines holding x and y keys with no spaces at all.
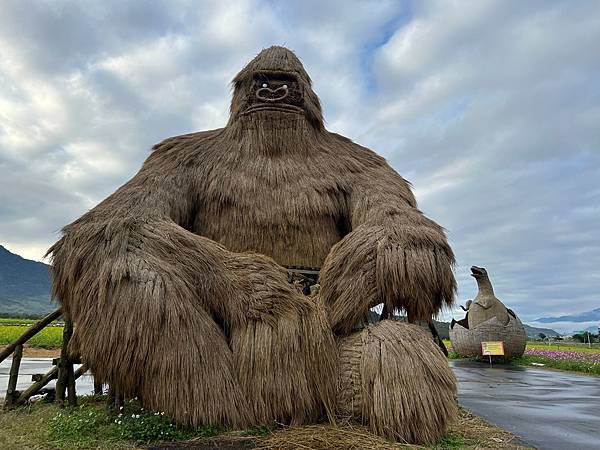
{"x":478,"y":273}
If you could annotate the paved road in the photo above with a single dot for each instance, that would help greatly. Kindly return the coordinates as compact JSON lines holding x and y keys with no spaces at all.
{"x":547,"y":409}
{"x":30,"y":366}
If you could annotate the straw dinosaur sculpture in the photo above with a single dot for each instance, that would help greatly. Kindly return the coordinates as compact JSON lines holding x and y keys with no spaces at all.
{"x":177,"y":281}
{"x":485,"y":305}
{"x":487,"y":319}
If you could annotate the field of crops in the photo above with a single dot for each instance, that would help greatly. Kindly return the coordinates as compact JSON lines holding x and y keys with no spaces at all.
{"x":49,"y":337}
{"x":16,"y":321}
{"x":562,"y":346}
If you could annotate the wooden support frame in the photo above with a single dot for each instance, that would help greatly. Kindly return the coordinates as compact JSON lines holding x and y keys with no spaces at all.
{"x":46,"y":378}
{"x":11,"y":392}
{"x":65,"y":369}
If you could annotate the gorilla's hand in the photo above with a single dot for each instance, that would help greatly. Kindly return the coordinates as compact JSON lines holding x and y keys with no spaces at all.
{"x":141,"y":293}
{"x":404,"y":267}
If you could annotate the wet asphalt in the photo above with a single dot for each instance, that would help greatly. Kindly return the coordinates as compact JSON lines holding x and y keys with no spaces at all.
{"x":31,"y":366}
{"x":545,"y":408}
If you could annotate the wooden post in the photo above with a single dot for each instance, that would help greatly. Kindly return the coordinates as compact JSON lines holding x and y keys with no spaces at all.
{"x":115,"y":400}
{"x":119,"y":401}
{"x":71,"y":385}
{"x":11,"y":392}
{"x":97,"y":388}
{"x":110,"y":400}
{"x":64,"y":365}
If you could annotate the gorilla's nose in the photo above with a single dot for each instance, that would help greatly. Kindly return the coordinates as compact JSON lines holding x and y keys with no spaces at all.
{"x":266,"y":94}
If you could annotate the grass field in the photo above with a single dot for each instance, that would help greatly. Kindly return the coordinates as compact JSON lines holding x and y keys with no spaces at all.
{"x":16,"y":321}
{"x":569,"y":346}
{"x":90,"y":425}
{"x":49,"y":337}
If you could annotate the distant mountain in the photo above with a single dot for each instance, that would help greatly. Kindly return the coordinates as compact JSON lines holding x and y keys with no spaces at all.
{"x":533,"y":332}
{"x":24,"y":286}
{"x":589,"y":316}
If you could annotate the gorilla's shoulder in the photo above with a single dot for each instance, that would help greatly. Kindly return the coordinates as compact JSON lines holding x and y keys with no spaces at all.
{"x":346,"y":145}
{"x":186,"y":142}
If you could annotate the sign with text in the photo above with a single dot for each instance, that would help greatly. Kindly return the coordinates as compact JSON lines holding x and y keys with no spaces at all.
{"x":492,"y":348}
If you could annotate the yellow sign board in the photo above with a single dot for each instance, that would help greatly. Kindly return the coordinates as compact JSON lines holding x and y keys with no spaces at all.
{"x":492,"y":348}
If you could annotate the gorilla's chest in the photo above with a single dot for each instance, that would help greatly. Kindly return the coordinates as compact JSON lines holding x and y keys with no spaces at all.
{"x":291,"y":209}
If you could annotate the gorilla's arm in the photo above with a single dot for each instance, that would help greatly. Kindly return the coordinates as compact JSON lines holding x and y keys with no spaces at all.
{"x":141,"y":289}
{"x":393,"y":255}
{"x":202,"y":333}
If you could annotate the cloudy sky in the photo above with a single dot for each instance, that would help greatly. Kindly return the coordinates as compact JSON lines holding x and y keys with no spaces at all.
{"x":490,"y":108}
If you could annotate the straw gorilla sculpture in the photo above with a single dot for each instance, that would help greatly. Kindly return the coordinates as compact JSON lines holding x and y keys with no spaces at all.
{"x":176,"y":282}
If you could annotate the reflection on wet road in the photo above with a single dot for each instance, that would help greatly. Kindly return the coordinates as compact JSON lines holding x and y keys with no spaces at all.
{"x":547,"y":409}
{"x":30,"y":366}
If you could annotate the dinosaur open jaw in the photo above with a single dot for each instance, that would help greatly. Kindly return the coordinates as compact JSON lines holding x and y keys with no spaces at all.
{"x":478,"y":272}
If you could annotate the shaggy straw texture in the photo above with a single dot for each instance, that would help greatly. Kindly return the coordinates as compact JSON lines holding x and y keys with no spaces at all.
{"x":176,"y":284}
{"x":395,"y":379}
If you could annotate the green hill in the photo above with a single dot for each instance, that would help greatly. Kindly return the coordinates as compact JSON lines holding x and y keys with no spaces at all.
{"x":24,"y":286}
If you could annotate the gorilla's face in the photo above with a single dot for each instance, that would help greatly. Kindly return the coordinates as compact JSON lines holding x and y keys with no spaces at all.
{"x":276,"y":87}
{"x":274,"y":90}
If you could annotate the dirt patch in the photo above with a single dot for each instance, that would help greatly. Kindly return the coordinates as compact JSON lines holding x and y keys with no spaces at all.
{"x":231,"y":441}
{"x":37,"y":352}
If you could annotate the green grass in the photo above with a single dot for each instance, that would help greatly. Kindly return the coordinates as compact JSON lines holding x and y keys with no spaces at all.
{"x":587,"y":367}
{"x":90,"y":425}
{"x":569,"y":346}
{"x":49,"y":337}
{"x":454,"y":440}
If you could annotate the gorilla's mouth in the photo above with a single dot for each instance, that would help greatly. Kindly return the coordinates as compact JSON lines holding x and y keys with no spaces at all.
{"x":266,"y":106}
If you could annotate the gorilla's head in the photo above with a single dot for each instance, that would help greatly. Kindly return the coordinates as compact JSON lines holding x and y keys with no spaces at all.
{"x":272,"y":86}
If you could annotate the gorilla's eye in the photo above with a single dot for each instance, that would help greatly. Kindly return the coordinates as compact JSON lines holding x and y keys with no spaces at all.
{"x":264,"y":85}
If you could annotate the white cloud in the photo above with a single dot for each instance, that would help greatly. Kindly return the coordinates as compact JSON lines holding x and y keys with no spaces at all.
{"x":490,"y":108}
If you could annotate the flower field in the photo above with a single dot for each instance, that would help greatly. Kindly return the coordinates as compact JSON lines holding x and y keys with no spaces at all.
{"x":577,"y":361}
{"x":564,"y":356}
